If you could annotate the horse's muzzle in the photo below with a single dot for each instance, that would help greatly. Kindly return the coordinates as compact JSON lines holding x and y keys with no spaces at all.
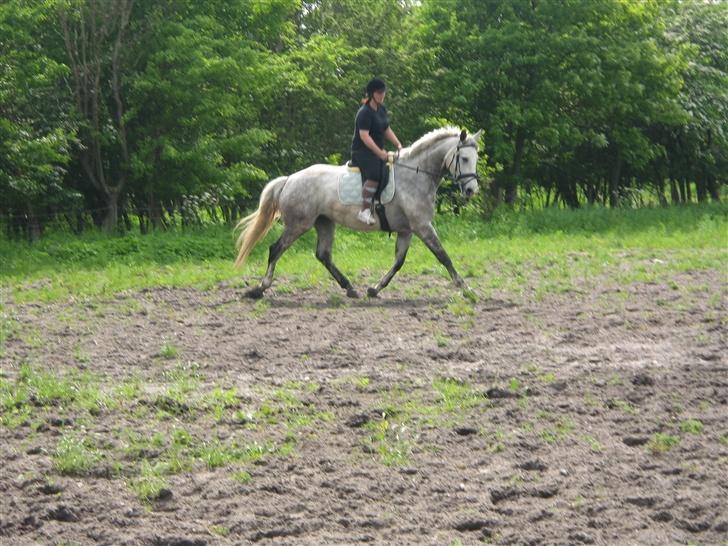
{"x":467,"y":188}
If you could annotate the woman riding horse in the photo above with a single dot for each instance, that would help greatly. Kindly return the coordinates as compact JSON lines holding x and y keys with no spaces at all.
{"x":371,"y":127}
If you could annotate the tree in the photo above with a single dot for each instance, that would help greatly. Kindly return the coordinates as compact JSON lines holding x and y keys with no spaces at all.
{"x":698,"y":149}
{"x":35,"y":130}
{"x":551,"y":80}
{"x":96,"y":39}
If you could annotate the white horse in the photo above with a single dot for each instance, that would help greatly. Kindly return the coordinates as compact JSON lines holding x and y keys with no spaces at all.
{"x":310,"y":198}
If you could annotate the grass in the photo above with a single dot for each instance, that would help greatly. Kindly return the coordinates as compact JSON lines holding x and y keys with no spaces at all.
{"x":407,"y":410}
{"x":183,"y":414}
{"x":561,"y":248}
{"x":169,"y":351}
{"x":691,"y":426}
{"x":74,"y":456}
{"x":661,"y":442}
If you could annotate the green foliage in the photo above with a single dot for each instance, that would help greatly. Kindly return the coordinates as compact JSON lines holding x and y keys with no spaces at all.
{"x":36,"y":131}
{"x":176,"y":113}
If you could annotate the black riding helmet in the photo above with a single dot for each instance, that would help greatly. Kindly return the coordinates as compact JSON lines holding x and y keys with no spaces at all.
{"x":374,"y":85}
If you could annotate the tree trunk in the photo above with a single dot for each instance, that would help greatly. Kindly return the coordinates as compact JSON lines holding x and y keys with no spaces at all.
{"x":713,"y":188}
{"x":674,"y":193}
{"x":34,"y":228}
{"x":125,"y":217}
{"x":512,"y":186}
{"x":155,"y":212}
{"x":614,"y":177}
{"x":660,"y":188}
{"x":111,"y":220}
{"x":682,"y":186}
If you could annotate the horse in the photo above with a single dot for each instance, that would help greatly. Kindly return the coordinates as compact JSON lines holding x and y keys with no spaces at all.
{"x":309,"y":198}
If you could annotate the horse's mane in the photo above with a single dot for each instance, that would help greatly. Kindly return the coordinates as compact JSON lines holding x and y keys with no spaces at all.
{"x":430,"y":139}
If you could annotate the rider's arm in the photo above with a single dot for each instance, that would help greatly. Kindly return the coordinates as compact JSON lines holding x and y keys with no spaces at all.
{"x":391,"y":137}
{"x":369,"y":143}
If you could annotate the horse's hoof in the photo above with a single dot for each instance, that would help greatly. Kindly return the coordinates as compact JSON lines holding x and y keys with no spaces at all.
{"x":372,"y":292}
{"x":254,"y":293}
{"x":352,"y":293}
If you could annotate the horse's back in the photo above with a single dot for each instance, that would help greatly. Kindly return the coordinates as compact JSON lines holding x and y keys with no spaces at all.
{"x":313,"y":191}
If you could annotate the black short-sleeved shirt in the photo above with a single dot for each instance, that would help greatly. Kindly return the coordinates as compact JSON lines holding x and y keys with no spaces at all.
{"x":375,"y":121}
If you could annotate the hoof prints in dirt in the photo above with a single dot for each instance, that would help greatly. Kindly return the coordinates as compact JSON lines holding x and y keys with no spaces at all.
{"x":496,"y":426}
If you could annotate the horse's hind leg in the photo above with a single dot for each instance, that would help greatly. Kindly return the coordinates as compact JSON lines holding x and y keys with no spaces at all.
{"x":400,"y":253}
{"x":289,"y":236}
{"x":325,"y":230}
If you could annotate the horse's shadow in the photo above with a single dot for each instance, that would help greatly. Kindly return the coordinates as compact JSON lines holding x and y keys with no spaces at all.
{"x":335,"y":302}
{"x":331,"y":302}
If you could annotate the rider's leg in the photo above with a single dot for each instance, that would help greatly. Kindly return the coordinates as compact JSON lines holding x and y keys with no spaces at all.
{"x":367,"y":193}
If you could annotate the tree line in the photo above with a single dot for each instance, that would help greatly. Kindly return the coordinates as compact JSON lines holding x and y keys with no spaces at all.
{"x":126,"y":114}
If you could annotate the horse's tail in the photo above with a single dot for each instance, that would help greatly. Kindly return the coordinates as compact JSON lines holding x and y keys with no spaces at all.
{"x":255,"y":226}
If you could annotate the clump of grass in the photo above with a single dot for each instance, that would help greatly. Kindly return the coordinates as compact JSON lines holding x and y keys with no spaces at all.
{"x":691,"y":426}
{"x":74,"y":456}
{"x":242,"y":476}
{"x":457,"y":396}
{"x":150,"y":482}
{"x":624,"y":407}
{"x":441,"y":340}
{"x":169,"y":351}
{"x":35,"y":390}
{"x":460,"y":306}
{"x":662,"y":443}
{"x":594,"y":444}
{"x":220,"y":400}
{"x":219,"y":530}
{"x":561,"y":430}
{"x":387,"y":441}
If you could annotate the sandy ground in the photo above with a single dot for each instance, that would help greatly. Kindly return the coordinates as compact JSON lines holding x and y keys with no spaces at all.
{"x":570,"y":391}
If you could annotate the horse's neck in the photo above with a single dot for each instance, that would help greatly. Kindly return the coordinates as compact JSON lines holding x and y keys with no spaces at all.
{"x":431,"y":159}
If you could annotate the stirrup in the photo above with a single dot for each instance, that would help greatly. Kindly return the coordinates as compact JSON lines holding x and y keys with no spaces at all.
{"x":366,"y":217}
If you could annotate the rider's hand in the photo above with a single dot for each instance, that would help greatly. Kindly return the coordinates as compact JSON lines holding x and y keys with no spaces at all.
{"x":383,"y":155}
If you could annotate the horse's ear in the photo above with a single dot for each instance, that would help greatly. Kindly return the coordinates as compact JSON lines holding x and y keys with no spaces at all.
{"x":463,"y":134}
{"x":476,"y":136}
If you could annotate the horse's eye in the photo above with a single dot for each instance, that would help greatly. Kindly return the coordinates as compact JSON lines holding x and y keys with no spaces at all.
{"x":465,"y":160}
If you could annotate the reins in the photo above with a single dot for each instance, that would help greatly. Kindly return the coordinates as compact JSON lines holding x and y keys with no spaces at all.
{"x":460,"y":178}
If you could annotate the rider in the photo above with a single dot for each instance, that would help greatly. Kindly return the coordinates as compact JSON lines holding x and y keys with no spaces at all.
{"x":367,"y":147}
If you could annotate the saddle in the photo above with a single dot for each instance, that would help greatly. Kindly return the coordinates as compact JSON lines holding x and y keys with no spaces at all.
{"x":350,"y":184}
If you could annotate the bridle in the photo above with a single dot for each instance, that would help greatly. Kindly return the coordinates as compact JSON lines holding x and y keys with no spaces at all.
{"x":461,"y":179}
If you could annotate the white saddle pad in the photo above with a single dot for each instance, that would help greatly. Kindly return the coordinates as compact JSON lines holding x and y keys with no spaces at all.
{"x":350,"y":187}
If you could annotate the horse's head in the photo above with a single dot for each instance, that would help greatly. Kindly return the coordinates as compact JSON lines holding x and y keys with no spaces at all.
{"x":462,"y":162}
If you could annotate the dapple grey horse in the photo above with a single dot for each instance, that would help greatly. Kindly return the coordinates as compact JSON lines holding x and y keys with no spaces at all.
{"x":310,"y":198}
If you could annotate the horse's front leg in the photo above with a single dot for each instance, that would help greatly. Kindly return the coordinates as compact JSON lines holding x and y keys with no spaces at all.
{"x":400,"y":253}
{"x":432,"y":241}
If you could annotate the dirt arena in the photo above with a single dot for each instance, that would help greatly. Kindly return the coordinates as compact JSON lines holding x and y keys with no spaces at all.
{"x":595,"y":416}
